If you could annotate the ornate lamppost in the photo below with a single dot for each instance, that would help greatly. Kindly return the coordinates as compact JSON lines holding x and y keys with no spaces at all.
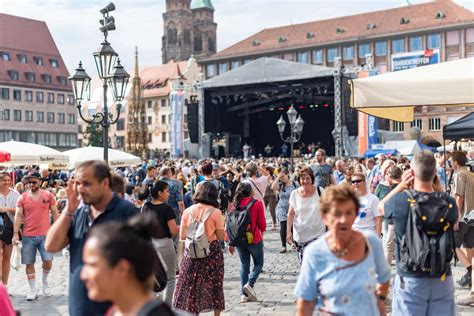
{"x":296,"y":129}
{"x":112,"y":74}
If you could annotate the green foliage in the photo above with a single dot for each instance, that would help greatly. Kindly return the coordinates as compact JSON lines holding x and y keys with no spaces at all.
{"x":94,"y":135}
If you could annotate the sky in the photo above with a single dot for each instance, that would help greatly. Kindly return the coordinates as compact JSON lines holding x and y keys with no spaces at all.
{"x":74,"y":23}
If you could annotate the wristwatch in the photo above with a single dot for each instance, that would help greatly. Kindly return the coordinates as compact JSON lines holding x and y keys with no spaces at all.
{"x":381,"y":297}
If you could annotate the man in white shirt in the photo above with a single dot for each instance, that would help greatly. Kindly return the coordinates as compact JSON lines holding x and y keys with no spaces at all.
{"x":369,"y":217}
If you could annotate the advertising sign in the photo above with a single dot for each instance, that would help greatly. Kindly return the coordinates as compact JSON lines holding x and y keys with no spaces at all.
{"x":367,"y":124}
{"x":177,"y":115}
{"x":416,"y":59}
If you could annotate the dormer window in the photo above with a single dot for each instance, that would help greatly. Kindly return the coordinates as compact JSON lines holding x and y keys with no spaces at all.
{"x":256,"y":43}
{"x":13,"y":74}
{"x":38,"y":60}
{"x":6,"y":56}
{"x":22,"y":58}
{"x":282,"y":39}
{"x":46,"y":78}
{"x":404,"y":20}
{"x":30,"y":76}
{"x":54,"y":63}
{"x":62,"y":80}
{"x":371,"y":26}
{"x":440,"y":15}
{"x":310,"y":35}
{"x":339,"y":30}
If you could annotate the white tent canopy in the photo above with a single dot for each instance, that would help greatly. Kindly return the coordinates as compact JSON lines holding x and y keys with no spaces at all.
{"x":29,"y":153}
{"x":117,"y":158}
{"x":393,"y":95}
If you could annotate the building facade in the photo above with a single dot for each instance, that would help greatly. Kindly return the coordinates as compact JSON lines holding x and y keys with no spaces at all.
{"x":36,"y":100}
{"x":189,"y":30}
{"x":440,"y":25}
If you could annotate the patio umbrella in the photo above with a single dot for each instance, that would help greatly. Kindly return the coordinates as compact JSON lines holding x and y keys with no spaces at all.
{"x":4,"y":156}
{"x":28,"y":153}
{"x":117,"y":158}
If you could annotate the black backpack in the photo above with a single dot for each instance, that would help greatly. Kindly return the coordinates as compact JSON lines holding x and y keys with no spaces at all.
{"x":428,"y":245}
{"x":238,"y":224}
{"x":223,"y":197}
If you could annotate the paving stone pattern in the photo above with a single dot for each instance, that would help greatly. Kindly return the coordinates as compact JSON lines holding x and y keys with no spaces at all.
{"x":274,"y":286}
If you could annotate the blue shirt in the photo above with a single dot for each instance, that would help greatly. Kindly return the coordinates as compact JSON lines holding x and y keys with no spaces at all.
{"x":396,"y":211}
{"x":322,"y":174}
{"x":338,"y":176}
{"x":117,"y":210}
{"x":284,"y":201}
{"x":349,"y":291}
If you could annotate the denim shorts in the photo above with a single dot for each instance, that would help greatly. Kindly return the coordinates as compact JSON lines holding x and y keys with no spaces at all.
{"x":28,"y":249}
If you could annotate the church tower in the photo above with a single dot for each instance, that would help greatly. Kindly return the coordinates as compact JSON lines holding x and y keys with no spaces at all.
{"x":204,"y":28}
{"x":177,"y":40}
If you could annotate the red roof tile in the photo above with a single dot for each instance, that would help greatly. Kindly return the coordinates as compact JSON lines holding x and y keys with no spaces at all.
{"x":355,"y":28}
{"x":155,"y":79}
{"x":31,"y":38}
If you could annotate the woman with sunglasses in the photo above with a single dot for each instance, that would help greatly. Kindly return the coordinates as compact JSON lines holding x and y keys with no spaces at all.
{"x":369,"y":217}
{"x":344,"y":271}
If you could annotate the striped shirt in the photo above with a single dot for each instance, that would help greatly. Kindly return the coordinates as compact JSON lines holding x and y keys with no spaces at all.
{"x":9,"y":201}
{"x":463,"y":185}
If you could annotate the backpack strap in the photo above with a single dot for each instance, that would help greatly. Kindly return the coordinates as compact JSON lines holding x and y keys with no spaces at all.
{"x":319,"y":190}
{"x":256,"y":187}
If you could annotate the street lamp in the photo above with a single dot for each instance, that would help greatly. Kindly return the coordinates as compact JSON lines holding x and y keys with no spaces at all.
{"x":113,"y":77}
{"x":296,"y":128}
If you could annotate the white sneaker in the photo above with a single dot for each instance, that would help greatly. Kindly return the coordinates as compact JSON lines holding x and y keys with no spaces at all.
{"x":33,"y":295}
{"x":244,"y":299}
{"x":252,"y":296}
{"x":46,"y":291}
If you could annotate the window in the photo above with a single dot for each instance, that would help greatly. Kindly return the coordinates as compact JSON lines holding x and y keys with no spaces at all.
{"x":470,"y":35}
{"x":5,"y":94}
{"x":39,"y":96}
{"x":22,"y":58}
{"x":5,"y":56}
{"x":62,"y":140}
{"x":332,"y":54}
{"x":348,"y":52}
{"x":211,"y":44}
{"x":61,"y":98}
{"x":248,"y":60}
{"x":398,"y":126}
{"x":163,"y":103}
{"x":121,"y":125}
{"x":434,"y":41}
{"x":38,"y":60}
{"x":452,"y":38}
{"x":163,"y":119}
{"x":235,"y":64}
{"x":398,"y":45}
{"x":150,"y":137}
{"x":50,"y":97}
{"x":30,"y":76}
{"x":223,"y":68}
{"x":197,"y":41}
{"x":417,"y":123}
{"x":381,"y":48}
{"x":29,"y":95}
{"x":46,"y":78}
{"x":149,"y":104}
{"x":13,"y":74}
{"x":62,"y":80}
{"x":163,"y":137}
{"x":61,"y":118}
{"x":54,"y":63}
{"x":70,"y":99}
{"x":210,"y":70}
{"x":434,"y":124}
{"x":364,"y":49}
{"x":71,"y":119}
{"x":317,"y":56}
{"x":150,"y":120}
{"x":17,"y":115}
{"x":6,"y":115}
{"x":40,"y":117}
{"x":50,"y":117}
{"x":289,"y":56}
{"x":416,"y":43}
{"x":303,"y":57}
{"x":17,"y":95}
{"x":29,"y":116}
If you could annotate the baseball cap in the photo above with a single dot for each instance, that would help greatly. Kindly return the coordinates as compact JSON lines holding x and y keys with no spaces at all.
{"x":33,"y":175}
{"x":215,"y":166}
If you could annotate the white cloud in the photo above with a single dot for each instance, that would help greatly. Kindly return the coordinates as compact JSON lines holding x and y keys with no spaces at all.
{"x":74,"y":23}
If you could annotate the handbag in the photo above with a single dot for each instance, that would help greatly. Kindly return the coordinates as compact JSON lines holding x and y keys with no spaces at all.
{"x":2,"y":225}
{"x":469,"y":218}
{"x":15,"y":259}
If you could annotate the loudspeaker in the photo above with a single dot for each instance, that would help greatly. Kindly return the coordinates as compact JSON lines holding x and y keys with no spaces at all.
{"x":193,"y":121}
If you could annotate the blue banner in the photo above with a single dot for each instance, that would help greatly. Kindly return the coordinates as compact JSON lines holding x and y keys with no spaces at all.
{"x":410,"y":60}
{"x":177,"y":109}
{"x":372,"y":134}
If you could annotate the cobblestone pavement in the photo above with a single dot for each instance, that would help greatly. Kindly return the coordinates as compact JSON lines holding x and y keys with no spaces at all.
{"x":274,"y":286}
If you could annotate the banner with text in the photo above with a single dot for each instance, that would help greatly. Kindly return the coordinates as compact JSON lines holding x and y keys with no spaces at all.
{"x":177,"y":109}
{"x":416,"y":59}
{"x":367,"y":124}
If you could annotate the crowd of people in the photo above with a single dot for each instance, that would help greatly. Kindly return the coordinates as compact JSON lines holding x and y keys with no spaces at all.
{"x":160,"y":230}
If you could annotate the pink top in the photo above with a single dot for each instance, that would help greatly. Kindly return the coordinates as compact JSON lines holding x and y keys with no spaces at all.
{"x":36,"y":212}
{"x":6,"y":306}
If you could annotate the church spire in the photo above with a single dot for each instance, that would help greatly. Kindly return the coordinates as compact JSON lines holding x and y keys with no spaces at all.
{"x":136,"y":63}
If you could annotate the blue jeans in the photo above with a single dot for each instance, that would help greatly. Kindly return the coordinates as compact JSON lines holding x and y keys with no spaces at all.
{"x":29,"y":246}
{"x":423,"y":296}
{"x":256,"y":252}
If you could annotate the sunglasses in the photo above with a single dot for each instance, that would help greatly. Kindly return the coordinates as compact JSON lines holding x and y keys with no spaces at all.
{"x":32,"y":182}
{"x":357,"y":181}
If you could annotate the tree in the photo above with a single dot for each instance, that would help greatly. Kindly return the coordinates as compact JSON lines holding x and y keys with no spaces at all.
{"x":94,"y":134}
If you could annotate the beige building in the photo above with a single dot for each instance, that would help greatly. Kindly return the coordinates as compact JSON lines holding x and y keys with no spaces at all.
{"x":36,"y":100}
{"x":441,"y":24}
